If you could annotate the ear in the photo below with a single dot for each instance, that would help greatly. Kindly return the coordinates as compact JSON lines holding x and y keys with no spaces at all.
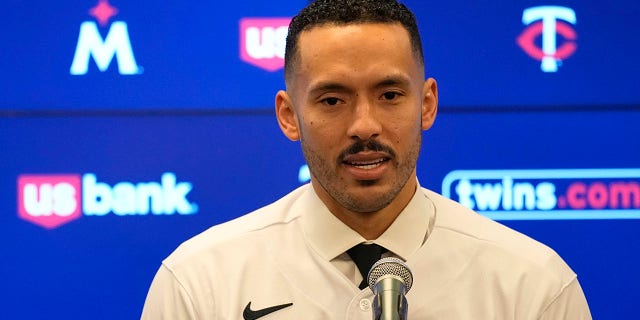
{"x":286,"y":115}
{"x":429,"y":103}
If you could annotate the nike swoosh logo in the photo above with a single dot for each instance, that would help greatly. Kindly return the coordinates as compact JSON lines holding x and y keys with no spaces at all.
{"x":249,"y":314}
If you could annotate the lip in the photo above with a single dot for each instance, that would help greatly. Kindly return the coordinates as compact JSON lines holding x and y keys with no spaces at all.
{"x":367,"y":165}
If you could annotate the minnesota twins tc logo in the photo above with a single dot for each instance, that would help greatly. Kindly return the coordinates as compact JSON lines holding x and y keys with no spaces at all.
{"x":550,"y":55}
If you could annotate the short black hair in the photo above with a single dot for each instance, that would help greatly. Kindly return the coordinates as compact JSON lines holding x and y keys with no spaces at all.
{"x":345,"y":12}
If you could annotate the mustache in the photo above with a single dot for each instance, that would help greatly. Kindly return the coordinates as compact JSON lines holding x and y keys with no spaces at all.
{"x":369,"y":145}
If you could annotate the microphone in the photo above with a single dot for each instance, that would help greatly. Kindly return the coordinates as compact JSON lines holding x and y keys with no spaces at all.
{"x":390,"y":279}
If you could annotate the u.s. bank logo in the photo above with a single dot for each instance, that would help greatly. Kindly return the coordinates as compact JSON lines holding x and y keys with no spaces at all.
{"x":263,"y":41}
{"x":548,"y":22}
{"x":103,"y":50}
{"x":51,"y":200}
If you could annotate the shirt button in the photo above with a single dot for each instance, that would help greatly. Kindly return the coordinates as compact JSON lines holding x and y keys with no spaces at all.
{"x":365,"y":304}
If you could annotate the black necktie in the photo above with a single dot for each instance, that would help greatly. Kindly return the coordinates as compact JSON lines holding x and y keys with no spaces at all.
{"x":365,"y":255}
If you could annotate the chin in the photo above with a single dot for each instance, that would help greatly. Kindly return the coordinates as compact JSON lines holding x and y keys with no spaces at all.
{"x":367,"y":207}
{"x":369,"y":201}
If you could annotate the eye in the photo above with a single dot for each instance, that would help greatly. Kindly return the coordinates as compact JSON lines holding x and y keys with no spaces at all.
{"x":331,"y":101}
{"x":390,"y":95}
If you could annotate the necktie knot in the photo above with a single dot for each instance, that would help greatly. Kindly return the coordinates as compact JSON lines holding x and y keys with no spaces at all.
{"x":364,"y":256}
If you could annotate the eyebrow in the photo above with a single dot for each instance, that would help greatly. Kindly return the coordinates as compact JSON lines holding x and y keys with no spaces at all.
{"x":325,"y":86}
{"x":392,"y":80}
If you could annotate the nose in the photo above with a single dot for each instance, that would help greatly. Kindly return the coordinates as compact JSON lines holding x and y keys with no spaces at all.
{"x":365,"y":123}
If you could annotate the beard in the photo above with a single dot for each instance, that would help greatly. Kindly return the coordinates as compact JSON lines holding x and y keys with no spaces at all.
{"x":325,"y":172}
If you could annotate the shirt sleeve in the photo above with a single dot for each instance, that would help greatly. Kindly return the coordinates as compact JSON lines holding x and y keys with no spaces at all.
{"x":167,"y":298}
{"x":569,"y":304}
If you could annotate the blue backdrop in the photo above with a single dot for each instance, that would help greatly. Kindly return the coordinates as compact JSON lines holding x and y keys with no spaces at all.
{"x":191,"y":106}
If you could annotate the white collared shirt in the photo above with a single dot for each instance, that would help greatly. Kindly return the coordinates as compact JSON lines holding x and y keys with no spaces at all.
{"x":469,"y":267}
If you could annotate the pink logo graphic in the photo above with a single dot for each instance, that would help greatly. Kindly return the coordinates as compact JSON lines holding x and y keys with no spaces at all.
{"x":262,"y":42}
{"x":49,"y":200}
{"x":550,"y":55}
{"x":103,"y":11}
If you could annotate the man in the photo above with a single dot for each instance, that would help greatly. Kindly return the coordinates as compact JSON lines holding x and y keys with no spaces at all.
{"x":357,"y":100}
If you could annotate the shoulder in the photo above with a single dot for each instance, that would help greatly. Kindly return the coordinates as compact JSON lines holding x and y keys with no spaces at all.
{"x":495,"y":238}
{"x":236,"y":233}
{"x":216,"y":269}
{"x":497,"y":265}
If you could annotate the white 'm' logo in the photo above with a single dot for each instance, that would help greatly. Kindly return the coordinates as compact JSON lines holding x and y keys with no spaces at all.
{"x":116,"y":43}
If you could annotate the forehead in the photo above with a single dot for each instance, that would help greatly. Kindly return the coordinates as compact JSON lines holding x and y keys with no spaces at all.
{"x":362,"y":49}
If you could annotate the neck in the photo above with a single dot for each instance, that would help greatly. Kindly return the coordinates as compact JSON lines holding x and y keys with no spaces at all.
{"x":371,"y":225}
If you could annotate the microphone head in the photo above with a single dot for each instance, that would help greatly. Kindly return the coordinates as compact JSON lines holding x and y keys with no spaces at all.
{"x":390,"y":266}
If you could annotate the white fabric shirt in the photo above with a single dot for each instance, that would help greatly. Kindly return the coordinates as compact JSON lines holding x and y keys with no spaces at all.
{"x":465,"y":266}
{"x":404,"y":237}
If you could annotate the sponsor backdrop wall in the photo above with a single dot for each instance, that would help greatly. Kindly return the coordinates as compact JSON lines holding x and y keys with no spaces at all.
{"x":126,"y":128}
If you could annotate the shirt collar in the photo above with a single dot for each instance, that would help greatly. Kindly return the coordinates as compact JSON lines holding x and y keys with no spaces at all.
{"x":331,"y":238}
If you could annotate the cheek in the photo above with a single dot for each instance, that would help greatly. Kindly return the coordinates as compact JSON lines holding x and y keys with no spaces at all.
{"x":401,"y":128}
{"x":317,"y":126}
{"x":317,"y":133}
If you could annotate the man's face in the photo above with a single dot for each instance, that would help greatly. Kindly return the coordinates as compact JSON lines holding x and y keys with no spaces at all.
{"x":358,"y":102}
